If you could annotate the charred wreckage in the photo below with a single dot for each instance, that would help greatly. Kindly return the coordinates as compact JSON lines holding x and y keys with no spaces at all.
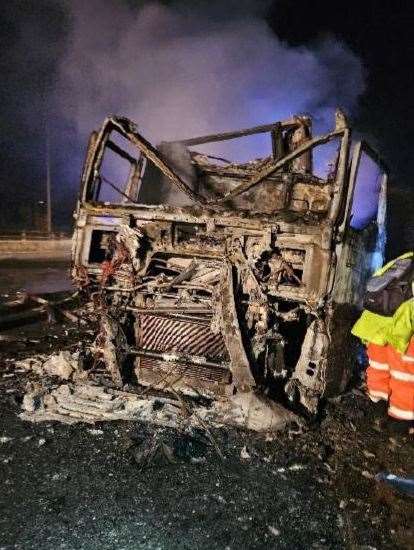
{"x":217,"y":277}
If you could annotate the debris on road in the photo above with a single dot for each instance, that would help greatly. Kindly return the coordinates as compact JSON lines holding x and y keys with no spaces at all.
{"x":93,"y":431}
{"x":318,"y":462}
{"x":62,"y":364}
{"x":86,"y":402}
{"x":275,"y":532}
{"x":154,"y":451}
{"x":244,"y":453}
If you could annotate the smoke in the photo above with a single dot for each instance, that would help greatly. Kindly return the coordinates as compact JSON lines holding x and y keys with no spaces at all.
{"x":177,"y":68}
{"x":180,"y":72}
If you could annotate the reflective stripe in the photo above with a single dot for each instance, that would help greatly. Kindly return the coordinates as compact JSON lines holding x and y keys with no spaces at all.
{"x":379,"y":366}
{"x":405,"y":376}
{"x":408,"y":358}
{"x":376,"y":395}
{"x":400,"y":413}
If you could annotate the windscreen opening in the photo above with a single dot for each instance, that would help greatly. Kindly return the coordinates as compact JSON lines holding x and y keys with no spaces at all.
{"x":123,"y":174}
{"x":114,"y":173}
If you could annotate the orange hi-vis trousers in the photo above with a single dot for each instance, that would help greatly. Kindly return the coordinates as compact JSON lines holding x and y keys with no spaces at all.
{"x":390,"y":376}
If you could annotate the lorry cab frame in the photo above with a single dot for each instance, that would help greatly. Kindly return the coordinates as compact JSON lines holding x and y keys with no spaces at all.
{"x":214,"y":277}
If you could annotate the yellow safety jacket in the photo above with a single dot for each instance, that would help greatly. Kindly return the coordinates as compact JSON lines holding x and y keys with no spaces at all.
{"x":396,"y":330}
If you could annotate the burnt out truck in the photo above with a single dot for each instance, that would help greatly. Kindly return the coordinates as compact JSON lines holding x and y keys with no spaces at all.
{"x":219,"y":277}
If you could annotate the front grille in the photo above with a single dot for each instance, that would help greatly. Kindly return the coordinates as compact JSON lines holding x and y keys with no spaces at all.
{"x":205,"y":379}
{"x":166,"y":335}
{"x":177,"y":369}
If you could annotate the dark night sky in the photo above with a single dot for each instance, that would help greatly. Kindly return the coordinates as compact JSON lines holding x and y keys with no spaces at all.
{"x":379,"y":33}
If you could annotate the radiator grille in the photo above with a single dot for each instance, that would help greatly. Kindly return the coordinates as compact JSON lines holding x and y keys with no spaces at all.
{"x":163,"y":334}
{"x":197,"y":372}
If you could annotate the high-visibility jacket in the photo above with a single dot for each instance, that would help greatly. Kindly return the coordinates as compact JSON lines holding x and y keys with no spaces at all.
{"x":390,"y":376}
{"x":401,"y":382}
{"x":402,"y":328}
{"x":381,"y":330}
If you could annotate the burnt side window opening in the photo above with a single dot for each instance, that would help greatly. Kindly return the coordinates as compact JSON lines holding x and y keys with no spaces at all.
{"x":113,"y":175}
{"x":125,"y":175}
{"x":118,"y":172}
{"x":366,"y":193}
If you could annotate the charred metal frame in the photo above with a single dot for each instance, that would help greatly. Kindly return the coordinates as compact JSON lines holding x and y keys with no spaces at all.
{"x":276,"y":281}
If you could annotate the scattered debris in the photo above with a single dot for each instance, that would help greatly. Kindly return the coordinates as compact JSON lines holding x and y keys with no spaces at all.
{"x":93,"y":431}
{"x":5,"y":439}
{"x":244,"y":454}
{"x":9,"y":338}
{"x":198,"y":459}
{"x":296,"y":467}
{"x":154,"y":451}
{"x":291,"y":468}
{"x":394,"y":442}
{"x":33,"y":398}
{"x":86,"y":402}
{"x":368,"y":454}
{"x":30,"y":308}
{"x":275,"y":532}
{"x":34,"y":363}
{"x":186,"y":445}
{"x":63,"y":365}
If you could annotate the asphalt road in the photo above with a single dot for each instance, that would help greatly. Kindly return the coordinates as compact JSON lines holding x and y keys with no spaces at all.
{"x":87,"y":487}
{"x":68,"y":487}
{"x":35,"y":277}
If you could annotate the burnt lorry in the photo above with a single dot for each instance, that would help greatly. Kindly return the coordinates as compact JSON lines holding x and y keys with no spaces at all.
{"x":217,"y":277}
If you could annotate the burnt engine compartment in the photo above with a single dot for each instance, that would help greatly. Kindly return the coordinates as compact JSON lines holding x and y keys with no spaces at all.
{"x":204,"y":309}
